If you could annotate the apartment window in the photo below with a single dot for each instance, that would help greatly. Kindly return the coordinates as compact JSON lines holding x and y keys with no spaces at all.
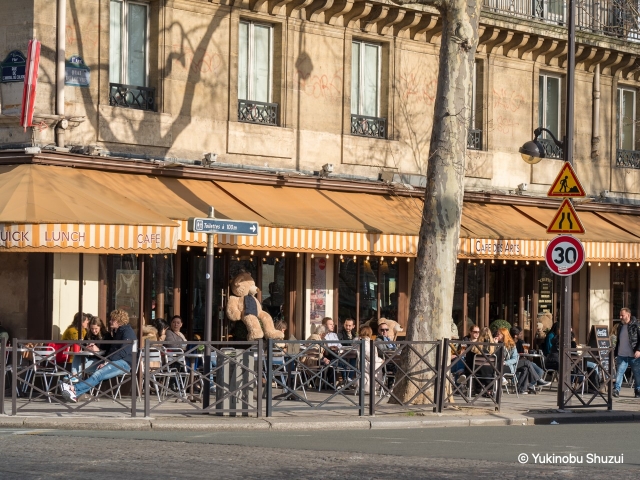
{"x":128,"y":36}
{"x":365,"y":90}
{"x":128,"y":56}
{"x":626,"y":119}
{"x":255,"y":73}
{"x":474,"y":138}
{"x":549,"y":113}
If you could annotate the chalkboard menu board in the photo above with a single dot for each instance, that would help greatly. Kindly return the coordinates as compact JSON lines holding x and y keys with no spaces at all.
{"x":599,"y":338}
{"x":545,"y":295}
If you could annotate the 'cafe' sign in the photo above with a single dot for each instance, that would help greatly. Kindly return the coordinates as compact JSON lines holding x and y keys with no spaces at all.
{"x":87,"y":236}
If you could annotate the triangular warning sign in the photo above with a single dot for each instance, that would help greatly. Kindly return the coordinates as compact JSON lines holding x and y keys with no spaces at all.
{"x":566,"y":184}
{"x":566,"y":220}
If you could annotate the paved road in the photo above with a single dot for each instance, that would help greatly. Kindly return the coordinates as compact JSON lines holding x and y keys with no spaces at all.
{"x":478,"y":452}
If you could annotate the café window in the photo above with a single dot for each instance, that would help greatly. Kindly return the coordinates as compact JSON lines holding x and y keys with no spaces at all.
{"x":128,"y":42}
{"x":549,"y":104}
{"x":625,"y":289}
{"x":626,"y":119}
{"x":255,"y":61}
{"x":368,"y":289}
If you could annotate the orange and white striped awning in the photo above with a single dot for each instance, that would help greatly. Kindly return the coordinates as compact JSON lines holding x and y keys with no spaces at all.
{"x":309,"y":240}
{"x":78,"y":238}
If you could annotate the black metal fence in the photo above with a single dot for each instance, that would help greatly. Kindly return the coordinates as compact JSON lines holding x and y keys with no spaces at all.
{"x":296,"y":369}
{"x":250,"y":111}
{"x":47,"y":368}
{"x":222,"y":378}
{"x":239,"y":378}
{"x":615,"y":18}
{"x":132,"y":96}
{"x":591,"y":379}
{"x":364,"y":126}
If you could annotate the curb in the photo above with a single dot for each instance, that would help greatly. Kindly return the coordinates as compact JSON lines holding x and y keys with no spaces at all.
{"x":306,"y":424}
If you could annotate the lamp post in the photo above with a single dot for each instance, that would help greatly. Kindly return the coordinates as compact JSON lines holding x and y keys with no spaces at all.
{"x":532,"y":152}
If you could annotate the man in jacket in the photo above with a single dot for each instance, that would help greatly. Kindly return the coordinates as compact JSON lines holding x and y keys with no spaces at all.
{"x":627,"y":350}
{"x":119,"y":358}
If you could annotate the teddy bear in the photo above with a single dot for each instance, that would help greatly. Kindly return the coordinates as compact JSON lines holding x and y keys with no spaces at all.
{"x":394,"y":327}
{"x":243,"y":305}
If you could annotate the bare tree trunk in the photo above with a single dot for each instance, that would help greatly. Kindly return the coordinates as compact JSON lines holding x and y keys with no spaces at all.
{"x":435,"y":269}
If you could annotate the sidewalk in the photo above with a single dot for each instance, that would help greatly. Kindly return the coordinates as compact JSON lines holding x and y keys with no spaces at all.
{"x":527,"y":410}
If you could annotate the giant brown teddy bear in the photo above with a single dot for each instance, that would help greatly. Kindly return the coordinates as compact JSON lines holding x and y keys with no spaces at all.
{"x":243,"y":305}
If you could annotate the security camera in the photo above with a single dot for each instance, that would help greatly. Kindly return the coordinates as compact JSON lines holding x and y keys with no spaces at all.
{"x":604,"y":194}
{"x":209,"y":158}
{"x":523,"y":187}
{"x":327,"y":168}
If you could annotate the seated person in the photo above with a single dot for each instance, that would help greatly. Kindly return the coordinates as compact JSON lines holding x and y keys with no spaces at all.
{"x":119,"y":356}
{"x":516,"y":332}
{"x":385,"y":351}
{"x":95,"y":333}
{"x":527,"y":376}
{"x":485,"y":373}
{"x":174,"y":335}
{"x":348,"y":333}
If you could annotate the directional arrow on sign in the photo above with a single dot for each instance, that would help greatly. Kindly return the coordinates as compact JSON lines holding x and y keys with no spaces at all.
{"x":215,"y":225}
{"x":566,"y":220}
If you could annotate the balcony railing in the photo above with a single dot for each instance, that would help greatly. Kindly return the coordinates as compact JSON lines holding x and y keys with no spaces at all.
{"x":474,"y":140}
{"x":614,"y":18}
{"x":250,"y":111}
{"x":551,"y":150}
{"x":364,"y":126}
{"x":628,"y":158}
{"x":131,"y":96}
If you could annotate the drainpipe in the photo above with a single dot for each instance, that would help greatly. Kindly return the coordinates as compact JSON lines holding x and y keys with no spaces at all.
{"x":61,"y":26}
{"x":595,"y":136}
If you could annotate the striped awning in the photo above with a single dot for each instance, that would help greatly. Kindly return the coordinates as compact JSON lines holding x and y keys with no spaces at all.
{"x":88,"y":238}
{"x":472,"y":248}
{"x":309,"y":240}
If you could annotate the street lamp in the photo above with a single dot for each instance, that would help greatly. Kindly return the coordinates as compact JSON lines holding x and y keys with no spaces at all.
{"x":533,"y":151}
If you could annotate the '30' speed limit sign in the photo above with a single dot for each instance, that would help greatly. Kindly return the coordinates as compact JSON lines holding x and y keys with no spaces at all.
{"x":564,"y":255}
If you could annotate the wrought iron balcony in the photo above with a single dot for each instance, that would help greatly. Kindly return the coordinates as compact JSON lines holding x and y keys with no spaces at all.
{"x":628,"y":158}
{"x":364,"y":126}
{"x":131,"y":96}
{"x":614,"y":18}
{"x":250,"y":111}
{"x":551,"y":150}
{"x":474,"y":140}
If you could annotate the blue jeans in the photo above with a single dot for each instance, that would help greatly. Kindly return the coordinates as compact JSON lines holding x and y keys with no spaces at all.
{"x":108,"y":371}
{"x":621,"y":366}
{"x":76,"y":365}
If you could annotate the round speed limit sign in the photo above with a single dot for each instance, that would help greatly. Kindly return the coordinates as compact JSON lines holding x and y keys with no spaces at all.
{"x":565,"y":255}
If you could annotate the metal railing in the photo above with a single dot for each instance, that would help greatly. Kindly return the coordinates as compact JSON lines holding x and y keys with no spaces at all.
{"x":591,"y":379}
{"x":551,"y":150}
{"x":221,"y":378}
{"x":250,"y":111}
{"x":363,"y":126}
{"x":132,"y":96}
{"x":3,"y":371}
{"x":49,"y":361}
{"x":471,"y":372}
{"x":298,"y":368}
{"x":627,"y":158}
{"x":474,"y":140}
{"x":413,"y":367}
{"x":614,"y":18}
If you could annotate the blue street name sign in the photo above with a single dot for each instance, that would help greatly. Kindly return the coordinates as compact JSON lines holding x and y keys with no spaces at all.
{"x":229,"y":227}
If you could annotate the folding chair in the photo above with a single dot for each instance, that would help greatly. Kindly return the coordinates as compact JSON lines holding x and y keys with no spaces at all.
{"x":45,"y":366}
{"x":511,"y":379}
{"x":479,"y":361}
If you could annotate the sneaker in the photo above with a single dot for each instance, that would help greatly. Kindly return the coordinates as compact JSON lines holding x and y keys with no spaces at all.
{"x":462,"y":379}
{"x":637,"y":394}
{"x":616,"y":393}
{"x":504,"y":381}
{"x":68,"y":393}
{"x":85,"y":397}
{"x":543,"y":383}
{"x":523,"y":393}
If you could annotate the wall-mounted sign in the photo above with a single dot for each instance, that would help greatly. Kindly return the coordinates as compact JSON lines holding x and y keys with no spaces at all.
{"x":76,"y":72}
{"x":13,"y":67}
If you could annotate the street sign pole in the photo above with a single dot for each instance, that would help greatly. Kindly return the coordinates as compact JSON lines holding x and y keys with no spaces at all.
{"x":208,"y":314}
{"x":565,"y":321}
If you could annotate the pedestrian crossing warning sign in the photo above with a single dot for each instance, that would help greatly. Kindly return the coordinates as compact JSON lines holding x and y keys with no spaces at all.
{"x":566,"y":220}
{"x":566,"y":184}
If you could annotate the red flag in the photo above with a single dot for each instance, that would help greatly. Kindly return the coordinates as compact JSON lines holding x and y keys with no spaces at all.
{"x":30,"y":81}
